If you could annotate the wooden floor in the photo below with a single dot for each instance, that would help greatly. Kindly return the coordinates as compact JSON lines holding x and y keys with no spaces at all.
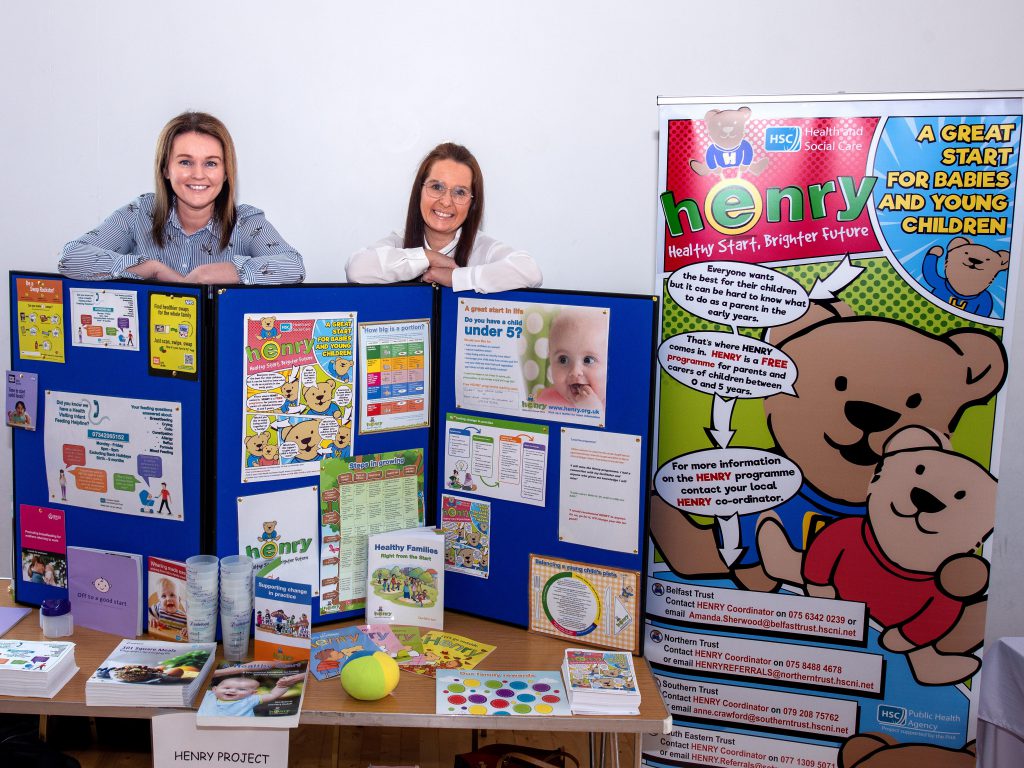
{"x":321,"y":746}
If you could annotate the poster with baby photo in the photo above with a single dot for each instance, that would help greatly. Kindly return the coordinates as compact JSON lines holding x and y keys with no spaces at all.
{"x":546,"y":361}
{"x":166,"y":605}
{"x":43,"y":546}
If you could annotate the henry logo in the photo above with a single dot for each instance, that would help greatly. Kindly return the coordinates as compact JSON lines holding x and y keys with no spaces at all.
{"x":782,"y":138}
{"x":890,"y":715}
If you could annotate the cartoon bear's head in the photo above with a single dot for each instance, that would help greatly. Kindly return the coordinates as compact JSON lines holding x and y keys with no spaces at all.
{"x":467,"y":557}
{"x":342,"y":365}
{"x":268,"y":322}
{"x":927,"y":504}
{"x":306,"y":436}
{"x":727,"y":126}
{"x":879,"y":750}
{"x":971,"y":267}
{"x":473,"y":537}
{"x":862,"y":379}
{"x":269,"y":526}
{"x":344,"y":437}
{"x":318,"y":396}
{"x":270,"y":452}
{"x":255,"y":444}
{"x":290,"y":389}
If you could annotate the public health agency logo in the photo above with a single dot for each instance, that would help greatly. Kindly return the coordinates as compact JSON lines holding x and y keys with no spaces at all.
{"x":782,"y":138}
{"x":890,"y":715}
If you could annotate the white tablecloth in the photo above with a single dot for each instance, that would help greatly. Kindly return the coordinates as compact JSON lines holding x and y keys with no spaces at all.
{"x":1001,"y":709}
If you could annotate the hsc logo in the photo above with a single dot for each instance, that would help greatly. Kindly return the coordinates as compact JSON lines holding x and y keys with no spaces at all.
{"x":891,"y":715}
{"x":783,"y":138}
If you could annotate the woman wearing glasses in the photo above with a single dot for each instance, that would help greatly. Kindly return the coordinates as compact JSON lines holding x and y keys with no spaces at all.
{"x":442,"y":243}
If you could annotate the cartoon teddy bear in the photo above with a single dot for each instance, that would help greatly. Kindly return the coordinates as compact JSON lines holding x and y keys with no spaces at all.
{"x":912,"y":560}
{"x":305,"y":435}
{"x":879,"y":750}
{"x":861,"y":379}
{"x":270,"y":531}
{"x":268,"y":327}
{"x":290,"y":392}
{"x":270,"y":456}
{"x":729,"y":148}
{"x":339,"y":367}
{"x":318,"y":398}
{"x":254,"y":445}
{"x":970,"y":270}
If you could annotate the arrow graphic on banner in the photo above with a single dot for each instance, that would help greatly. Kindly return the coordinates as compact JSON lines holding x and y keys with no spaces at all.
{"x":721,"y":421}
{"x":730,"y":528}
{"x":844,"y":274}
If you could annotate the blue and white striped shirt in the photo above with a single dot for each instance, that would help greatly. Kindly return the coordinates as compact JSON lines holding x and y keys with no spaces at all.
{"x":125,"y":239}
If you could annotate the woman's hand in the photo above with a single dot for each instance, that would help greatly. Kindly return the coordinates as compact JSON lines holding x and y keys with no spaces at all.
{"x":440,"y":270}
{"x":152,"y":269}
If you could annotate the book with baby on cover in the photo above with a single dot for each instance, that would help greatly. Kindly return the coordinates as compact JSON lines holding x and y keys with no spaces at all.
{"x":254,"y":694}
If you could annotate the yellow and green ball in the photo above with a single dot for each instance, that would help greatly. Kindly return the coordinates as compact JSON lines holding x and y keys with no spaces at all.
{"x":369,"y":676}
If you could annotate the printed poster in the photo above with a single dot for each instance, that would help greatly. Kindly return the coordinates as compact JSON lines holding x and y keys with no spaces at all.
{"x":838,"y":278}
{"x":22,"y":396}
{"x":395,"y":360}
{"x":299,"y":393}
{"x":541,"y":361}
{"x":278,"y":531}
{"x":114,"y":454}
{"x":282,"y":611}
{"x":40,"y":319}
{"x":466,"y":524}
{"x":361,"y":496}
{"x":174,"y":335}
{"x":43,"y":541}
{"x":107,"y":318}
{"x":495,"y":458}
{"x":599,"y":501}
{"x":586,"y":603}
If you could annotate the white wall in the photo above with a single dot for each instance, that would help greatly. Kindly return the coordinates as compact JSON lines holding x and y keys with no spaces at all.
{"x":333,"y":104}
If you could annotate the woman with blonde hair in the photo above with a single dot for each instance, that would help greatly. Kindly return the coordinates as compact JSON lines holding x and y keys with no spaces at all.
{"x":442,"y":243}
{"x":191,"y":229}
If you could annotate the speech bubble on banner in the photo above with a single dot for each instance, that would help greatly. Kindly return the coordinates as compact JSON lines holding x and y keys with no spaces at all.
{"x":73,"y":455}
{"x":727,"y":365}
{"x":264,"y":382}
{"x":738,"y":294}
{"x":147,"y":465}
{"x":89,"y":479}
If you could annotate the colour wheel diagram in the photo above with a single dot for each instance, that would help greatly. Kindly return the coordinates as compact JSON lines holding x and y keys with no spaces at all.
{"x":500,"y":693}
{"x":572,"y":604}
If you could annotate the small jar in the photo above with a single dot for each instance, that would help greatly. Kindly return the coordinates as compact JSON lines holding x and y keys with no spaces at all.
{"x":55,"y":618}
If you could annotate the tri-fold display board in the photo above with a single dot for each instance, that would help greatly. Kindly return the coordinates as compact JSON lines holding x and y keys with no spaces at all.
{"x":290,"y":423}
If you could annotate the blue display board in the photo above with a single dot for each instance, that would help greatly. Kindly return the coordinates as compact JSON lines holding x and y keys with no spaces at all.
{"x":239,"y":471}
{"x":106,"y":355}
{"x":523,"y":527}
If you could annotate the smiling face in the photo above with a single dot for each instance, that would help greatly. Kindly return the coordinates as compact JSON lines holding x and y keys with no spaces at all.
{"x":195,"y":170}
{"x":234,"y":688}
{"x":926,"y":505}
{"x":441,"y":216}
{"x":577,"y":352}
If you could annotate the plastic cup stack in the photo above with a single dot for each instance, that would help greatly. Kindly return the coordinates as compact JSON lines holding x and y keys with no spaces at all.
{"x":201,"y":588}
{"x":236,"y":602}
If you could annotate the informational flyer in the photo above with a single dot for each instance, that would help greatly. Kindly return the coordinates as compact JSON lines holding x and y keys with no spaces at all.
{"x":542,"y":361}
{"x":44,"y":552}
{"x":300,"y":373}
{"x":591,"y":604}
{"x":599,"y":500}
{"x":466,"y":524}
{"x":499,"y":459}
{"x":174,"y":335}
{"x":394,"y":358}
{"x":361,"y":496}
{"x":279,"y":530}
{"x":40,"y":319}
{"x":838,"y":280}
{"x":107,"y":318}
{"x":114,"y":454}
{"x":22,"y":397}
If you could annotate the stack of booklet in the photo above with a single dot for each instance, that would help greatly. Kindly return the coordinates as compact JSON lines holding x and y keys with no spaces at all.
{"x":600,"y":682}
{"x":148,"y":673}
{"x":35,"y":667}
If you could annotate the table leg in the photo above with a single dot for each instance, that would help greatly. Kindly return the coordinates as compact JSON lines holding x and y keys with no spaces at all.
{"x":42,"y":728}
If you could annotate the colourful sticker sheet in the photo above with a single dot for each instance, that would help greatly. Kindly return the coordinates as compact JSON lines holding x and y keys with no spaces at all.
{"x":40,"y":320}
{"x":517,"y":693}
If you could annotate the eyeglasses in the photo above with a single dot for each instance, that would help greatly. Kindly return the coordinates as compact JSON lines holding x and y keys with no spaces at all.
{"x":437,"y":190}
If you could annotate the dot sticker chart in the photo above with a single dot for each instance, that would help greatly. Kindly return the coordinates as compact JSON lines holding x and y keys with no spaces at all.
{"x":519,"y":693}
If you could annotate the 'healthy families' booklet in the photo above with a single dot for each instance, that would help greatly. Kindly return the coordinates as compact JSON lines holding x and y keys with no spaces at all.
{"x":405,"y":578}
